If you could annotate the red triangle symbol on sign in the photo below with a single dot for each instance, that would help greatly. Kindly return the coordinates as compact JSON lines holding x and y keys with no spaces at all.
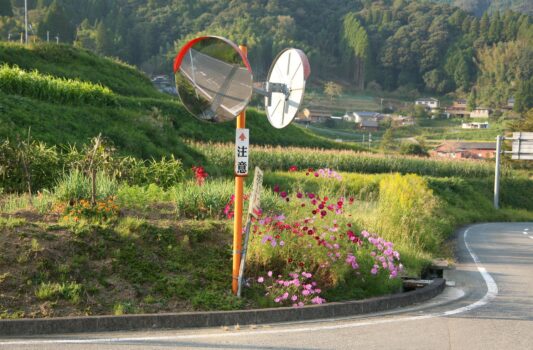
{"x":242,"y":137}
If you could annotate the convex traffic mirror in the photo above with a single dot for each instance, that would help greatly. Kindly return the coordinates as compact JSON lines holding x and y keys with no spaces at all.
{"x":213,"y":79}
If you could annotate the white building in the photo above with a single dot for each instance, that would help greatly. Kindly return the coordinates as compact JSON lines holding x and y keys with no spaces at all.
{"x":430,"y":103}
{"x":484,"y":125}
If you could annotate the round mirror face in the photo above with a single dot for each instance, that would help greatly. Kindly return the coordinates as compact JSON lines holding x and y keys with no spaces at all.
{"x":213,"y":79}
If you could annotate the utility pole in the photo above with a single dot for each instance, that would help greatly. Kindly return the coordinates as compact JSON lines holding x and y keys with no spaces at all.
{"x":47,"y":36}
{"x":499,"y":139}
{"x":26,"y":20}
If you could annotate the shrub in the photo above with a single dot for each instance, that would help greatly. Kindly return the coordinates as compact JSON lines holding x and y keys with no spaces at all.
{"x":408,"y":212}
{"x":413,"y":149}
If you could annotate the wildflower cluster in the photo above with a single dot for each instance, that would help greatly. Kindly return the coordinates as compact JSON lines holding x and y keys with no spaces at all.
{"x":199,"y":174}
{"x":325,"y":172}
{"x":297,"y":290}
{"x":102,"y":210}
{"x":319,"y":236}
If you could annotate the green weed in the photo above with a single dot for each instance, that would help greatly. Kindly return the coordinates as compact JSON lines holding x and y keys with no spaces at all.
{"x":52,"y":291}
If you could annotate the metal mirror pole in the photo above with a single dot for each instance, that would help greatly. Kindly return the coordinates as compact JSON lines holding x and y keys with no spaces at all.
{"x":237,"y":219}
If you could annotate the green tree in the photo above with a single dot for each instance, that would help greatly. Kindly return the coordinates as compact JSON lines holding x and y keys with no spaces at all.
{"x":524,"y":96}
{"x":495,"y":28}
{"x":413,"y":149}
{"x":355,"y":38}
{"x":484,"y":25}
{"x":471,"y":103}
{"x":57,"y":23}
{"x":420,"y":112}
{"x":5,"y":8}
{"x":332,"y":89}
{"x":102,"y":38}
{"x":387,"y":141}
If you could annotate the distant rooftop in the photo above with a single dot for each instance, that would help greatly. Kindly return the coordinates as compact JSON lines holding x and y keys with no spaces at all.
{"x":369,"y":123}
{"x":466,"y":146}
{"x":366,"y":114}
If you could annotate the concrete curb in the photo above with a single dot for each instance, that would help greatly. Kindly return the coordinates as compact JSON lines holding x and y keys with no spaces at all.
{"x":62,"y":325}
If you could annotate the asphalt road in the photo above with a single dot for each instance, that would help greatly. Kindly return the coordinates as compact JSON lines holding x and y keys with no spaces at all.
{"x":491,"y":307}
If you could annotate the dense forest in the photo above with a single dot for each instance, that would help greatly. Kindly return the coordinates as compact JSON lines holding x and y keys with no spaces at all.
{"x":478,"y":7}
{"x":409,"y":46}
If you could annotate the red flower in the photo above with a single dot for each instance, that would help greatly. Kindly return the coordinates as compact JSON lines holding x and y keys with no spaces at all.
{"x":200,"y":174}
{"x":301,"y":264}
{"x":293,"y":168}
{"x":289,"y":260}
{"x":276,"y":188}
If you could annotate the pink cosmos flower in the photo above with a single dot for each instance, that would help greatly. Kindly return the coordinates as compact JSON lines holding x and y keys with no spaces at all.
{"x":318,"y":300}
{"x":294,"y":298}
{"x":260,"y":280}
{"x":269,"y":273}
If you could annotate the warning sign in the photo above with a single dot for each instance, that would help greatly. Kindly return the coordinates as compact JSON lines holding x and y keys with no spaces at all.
{"x":242,"y":150}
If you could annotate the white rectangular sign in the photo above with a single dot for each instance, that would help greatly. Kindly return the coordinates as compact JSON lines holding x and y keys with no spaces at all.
{"x":523,"y":145}
{"x":242,"y":151}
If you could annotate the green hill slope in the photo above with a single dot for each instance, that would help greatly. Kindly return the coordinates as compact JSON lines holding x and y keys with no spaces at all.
{"x":115,"y":100}
{"x":69,"y":62}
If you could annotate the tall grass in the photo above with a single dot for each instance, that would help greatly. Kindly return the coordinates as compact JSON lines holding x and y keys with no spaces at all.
{"x":221,"y":157}
{"x":209,"y":200}
{"x":76,"y":185}
{"x":33,"y":84}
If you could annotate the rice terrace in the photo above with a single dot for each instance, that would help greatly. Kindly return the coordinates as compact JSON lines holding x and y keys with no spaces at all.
{"x":225,"y":174}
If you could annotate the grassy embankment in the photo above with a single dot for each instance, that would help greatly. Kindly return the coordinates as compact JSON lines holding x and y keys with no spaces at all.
{"x":169,"y":248}
{"x":128,"y":110}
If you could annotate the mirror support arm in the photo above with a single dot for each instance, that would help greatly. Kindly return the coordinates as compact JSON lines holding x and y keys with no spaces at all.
{"x":266,"y":89}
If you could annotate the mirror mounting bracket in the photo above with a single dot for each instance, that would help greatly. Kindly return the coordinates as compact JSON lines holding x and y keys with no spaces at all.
{"x":266,"y":89}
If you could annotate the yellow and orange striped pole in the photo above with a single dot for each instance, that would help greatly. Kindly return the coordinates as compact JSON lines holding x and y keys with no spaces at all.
{"x":239,"y":199}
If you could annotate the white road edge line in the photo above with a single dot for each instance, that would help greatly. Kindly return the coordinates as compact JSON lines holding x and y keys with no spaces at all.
{"x":492,"y":292}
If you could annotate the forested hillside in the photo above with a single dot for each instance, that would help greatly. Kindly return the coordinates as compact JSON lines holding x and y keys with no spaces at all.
{"x":478,"y":7}
{"x":410,"y":46}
